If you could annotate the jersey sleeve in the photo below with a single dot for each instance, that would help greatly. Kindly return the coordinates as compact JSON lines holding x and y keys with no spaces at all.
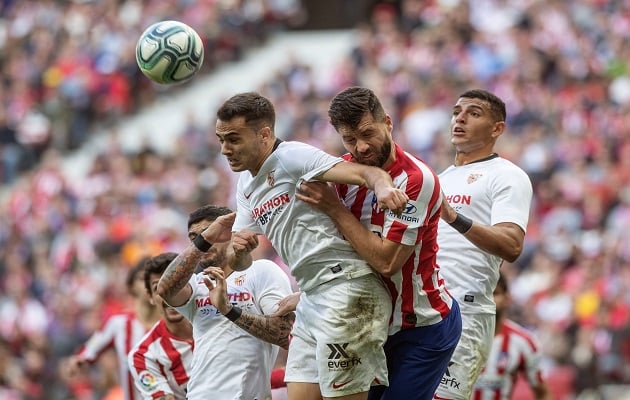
{"x":243,"y":213}
{"x":188,"y":309}
{"x":271,"y":285}
{"x":307,"y":162}
{"x":512,"y":196}
{"x":102,"y":339}
{"x":146,"y":372}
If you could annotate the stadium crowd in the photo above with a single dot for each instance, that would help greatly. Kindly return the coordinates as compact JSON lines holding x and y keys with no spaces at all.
{"x":59,"y":84}
{"x":65,"y":245}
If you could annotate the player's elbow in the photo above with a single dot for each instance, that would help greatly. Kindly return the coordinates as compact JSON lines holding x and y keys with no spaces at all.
{"x":513,"y":252}
{"x":387,"y":269}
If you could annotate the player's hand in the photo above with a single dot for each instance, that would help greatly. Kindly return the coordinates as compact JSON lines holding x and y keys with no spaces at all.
{"x":448,"y":214}
{"x":218,"y":288}
{"x":287,"y":305}
{"x":320,"y":195}
{"x":74,"y":364}
{"x":392,"y":199}
{"x":244,"y":242}
{"x":220,"y":230}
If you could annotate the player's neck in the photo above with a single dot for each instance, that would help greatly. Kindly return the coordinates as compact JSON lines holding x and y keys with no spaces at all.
{"x":470,"y":158}
{"x":392,"y":157}
{"x":265,"y":156}
{"x":226,"y":270}
{"x":498,"y":326}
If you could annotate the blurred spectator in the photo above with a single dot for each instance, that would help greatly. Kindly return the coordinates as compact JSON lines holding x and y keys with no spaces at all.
{"x":59,"y":83}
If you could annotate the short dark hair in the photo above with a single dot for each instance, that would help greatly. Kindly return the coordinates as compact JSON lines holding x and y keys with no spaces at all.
{"x":497,"y":106}
{"x":349,"y":107}
{"x":134,"y":272}
{"x":207,"y":213}
{"x":257,"y":109}
{"x":156,"y":265}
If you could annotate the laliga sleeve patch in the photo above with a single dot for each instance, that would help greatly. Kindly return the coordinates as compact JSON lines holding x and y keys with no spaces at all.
{"x":147,"y":380}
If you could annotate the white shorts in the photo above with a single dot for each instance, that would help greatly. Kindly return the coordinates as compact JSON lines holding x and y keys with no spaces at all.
{"x":469,"y":358}
{"x":338,"y":336}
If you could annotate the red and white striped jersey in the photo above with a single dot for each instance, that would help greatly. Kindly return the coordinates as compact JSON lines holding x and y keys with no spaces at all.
{"x":419,"y":297}
{"x":122,"y":332}
{"x":514,"y":351}
{"x":160,"y":363}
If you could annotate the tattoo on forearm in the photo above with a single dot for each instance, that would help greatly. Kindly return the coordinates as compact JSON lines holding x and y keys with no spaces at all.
{"x":274,"y":330}
{"x":180,"y":270}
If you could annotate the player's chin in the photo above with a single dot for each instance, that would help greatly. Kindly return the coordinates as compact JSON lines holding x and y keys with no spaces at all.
{"x":236,"y":166}
{"x":172,"y":315}
{"x":369,"y":161}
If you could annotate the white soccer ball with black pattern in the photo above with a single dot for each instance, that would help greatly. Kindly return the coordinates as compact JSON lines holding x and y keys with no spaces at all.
{"x":169,"y":52}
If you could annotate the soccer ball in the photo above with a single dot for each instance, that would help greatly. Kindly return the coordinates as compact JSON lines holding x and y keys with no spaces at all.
{"x":169,"y":52}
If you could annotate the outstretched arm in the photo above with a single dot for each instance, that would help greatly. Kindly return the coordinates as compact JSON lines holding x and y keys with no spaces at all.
{"x":504,"y":239}
{"x":173,"y":285}
{"x":378,"y":180}
{"x":274,"y":329}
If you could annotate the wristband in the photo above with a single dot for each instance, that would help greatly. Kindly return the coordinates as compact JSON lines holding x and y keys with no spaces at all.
{"x":201,"y":243}
{"x":461,"y":224}
{"x":234,"y":313}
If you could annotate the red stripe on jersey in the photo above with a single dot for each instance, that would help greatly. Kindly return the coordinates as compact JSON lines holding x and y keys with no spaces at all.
{"x":177,"y":368}
{"x":128,"y":345}
{"x":511,"y":328}
{"x":393,"y":292}
{"x":505,"y":347}
{"x":158,"y":394}
{"x":407,"y":296}
{"x":419,"y":282}
{"x":103,"y":346}
{"x":139,"y":360}
{"x":357,"y":207}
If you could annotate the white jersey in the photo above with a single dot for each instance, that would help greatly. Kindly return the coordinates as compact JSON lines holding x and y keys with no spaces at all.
{"x":489,"y":191}
{"x":514,"y":351}
{"x":305,"y":238}
{"x":229,"y":363}
{"x":122,"y":332}
{"x":160,"y":363}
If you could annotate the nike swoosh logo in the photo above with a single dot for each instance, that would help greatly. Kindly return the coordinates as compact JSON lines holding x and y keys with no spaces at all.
{"x":336,"y":385}
{"x":248,"y":195}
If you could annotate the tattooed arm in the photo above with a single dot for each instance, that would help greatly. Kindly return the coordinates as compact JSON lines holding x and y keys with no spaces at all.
{"x":173,"y":285}
{"x":274,"y":329}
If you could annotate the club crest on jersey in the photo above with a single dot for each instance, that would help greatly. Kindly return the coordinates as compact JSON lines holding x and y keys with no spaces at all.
{"x":375,"y":209}
{"x":240,"y":280}
{"x":473,"y":178}
{"x":271,"y":180}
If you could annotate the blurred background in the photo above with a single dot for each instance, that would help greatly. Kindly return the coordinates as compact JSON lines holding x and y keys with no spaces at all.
{"x":99,"y":166}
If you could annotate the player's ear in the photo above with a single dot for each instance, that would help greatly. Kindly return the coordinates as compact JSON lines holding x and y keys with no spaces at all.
{"x":151,"y":301}
{"x":498,"y":129}
{"x":265,"y":132}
